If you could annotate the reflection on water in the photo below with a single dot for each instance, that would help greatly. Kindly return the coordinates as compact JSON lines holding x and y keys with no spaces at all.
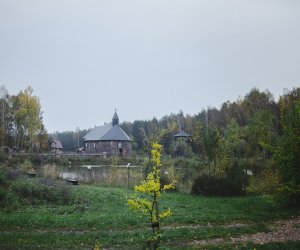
{"x":120,"y":175}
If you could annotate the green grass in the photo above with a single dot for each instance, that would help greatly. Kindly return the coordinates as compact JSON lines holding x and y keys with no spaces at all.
{"x":101,"y":214}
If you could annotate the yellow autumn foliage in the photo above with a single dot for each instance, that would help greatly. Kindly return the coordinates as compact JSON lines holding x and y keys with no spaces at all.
{"x":151,"y":189}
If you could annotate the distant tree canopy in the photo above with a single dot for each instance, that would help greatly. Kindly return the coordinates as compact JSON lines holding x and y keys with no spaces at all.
{"x":254,"y":120}
{"x":257,"y":116}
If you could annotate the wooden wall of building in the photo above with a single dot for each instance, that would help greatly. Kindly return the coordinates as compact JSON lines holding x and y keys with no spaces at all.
{"x":111,"y":148}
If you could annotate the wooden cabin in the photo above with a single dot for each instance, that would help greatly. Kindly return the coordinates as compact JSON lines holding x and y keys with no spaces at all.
{"x":108,"y":140}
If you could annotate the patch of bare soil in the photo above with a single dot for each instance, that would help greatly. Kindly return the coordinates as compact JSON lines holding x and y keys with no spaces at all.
{"x":207,"y":226}
{"x":280,"y":231}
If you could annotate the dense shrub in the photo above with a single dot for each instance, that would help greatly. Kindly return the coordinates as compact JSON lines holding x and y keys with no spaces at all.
{"x":233,"y":184}
{"x":16,"y":188}
{"x":8,"y":200}
{"x":186,"y":171}
{"x":265,"y":183}
{"x":13,"y":174}
{"x":27,"y":166}
{"x":3,"y":185}
{"x":45,"y":190}
{"x":3,"y":192}
{"x":288,"y":195}
{"x":3,"y":177}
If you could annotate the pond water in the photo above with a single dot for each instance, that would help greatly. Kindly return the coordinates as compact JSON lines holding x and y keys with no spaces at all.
{"x":119,"y":175}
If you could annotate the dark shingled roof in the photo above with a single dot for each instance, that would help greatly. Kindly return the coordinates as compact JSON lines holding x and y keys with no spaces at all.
{"x":115,"y":134}
{"x":182,"y":134}
{"x":107,"y":133}
{"x":97,"y":133}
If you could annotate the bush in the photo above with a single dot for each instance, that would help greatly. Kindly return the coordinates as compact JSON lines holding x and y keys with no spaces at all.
{"x":3,"y":177}
{"x":7,"y":175}
{"x":44,"y":190}
{"x":186,"y":170}
{"x":27,"y":166}
{"x":233,"y":184}
{"x":288,"y":195}
{"x":265,"y":183}
{"x":3,"y":192}
{"x":8,"y":200}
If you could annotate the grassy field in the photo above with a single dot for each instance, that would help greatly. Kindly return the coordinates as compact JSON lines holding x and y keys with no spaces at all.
{"x":101,"y":215}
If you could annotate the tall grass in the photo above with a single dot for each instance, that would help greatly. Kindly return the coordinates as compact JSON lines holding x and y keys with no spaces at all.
{"x":51,"y":170}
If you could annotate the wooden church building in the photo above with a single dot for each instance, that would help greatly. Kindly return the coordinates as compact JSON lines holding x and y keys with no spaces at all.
{"x":108,"y":140}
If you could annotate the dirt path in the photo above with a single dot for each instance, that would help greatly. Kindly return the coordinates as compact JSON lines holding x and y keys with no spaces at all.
{"x":280,"y":231}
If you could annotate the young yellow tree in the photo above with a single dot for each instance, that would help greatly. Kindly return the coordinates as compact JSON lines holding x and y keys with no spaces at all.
{"x":150,"y":190}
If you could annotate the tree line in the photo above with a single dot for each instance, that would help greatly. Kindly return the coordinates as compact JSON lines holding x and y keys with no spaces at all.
{"x":254,"y":120}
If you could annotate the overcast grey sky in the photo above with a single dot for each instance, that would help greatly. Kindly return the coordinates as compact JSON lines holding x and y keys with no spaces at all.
{"x":147,"y":58}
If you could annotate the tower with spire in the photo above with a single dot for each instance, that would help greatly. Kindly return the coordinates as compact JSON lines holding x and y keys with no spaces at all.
{"x":115,"y":119}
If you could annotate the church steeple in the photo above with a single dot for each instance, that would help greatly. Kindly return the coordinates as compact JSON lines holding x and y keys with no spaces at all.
{"x":115,"y":119}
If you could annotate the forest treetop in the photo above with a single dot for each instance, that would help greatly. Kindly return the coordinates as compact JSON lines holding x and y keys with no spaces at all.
{"x":22,"y":122}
